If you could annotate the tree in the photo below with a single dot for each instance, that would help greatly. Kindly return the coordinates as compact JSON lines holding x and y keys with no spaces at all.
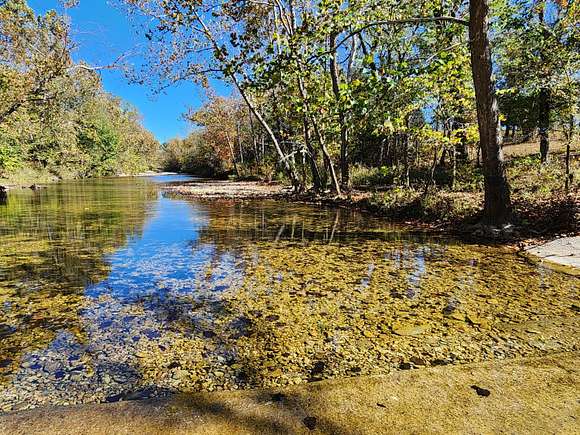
{"x":497,"y":203}
{"x":220,"y":119}
{"x":350,"y":83}
{"x":184,"y":35}
{"x":34,"y":51}
{"x":539,"y":42}
{"x":54,"y":113}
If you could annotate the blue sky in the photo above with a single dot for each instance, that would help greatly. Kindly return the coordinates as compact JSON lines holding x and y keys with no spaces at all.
{"x":103,"y":33}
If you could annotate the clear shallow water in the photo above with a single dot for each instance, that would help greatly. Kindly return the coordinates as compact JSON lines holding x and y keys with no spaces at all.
{"x":111,"y":291}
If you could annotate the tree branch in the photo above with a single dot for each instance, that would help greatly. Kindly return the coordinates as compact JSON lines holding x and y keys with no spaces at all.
{"x":415,"y":20}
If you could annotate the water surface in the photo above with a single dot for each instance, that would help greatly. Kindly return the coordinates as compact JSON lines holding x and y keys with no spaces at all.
{"x":110,"y":291}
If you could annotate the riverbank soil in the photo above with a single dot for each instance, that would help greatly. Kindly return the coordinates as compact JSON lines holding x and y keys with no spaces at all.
{"x":529,"y":395}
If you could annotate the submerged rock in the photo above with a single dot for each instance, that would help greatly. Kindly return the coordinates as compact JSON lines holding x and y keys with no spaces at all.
{"x":418,"y":361}
{"x":481,"y":391}
{"x":410,"y":329}
{"x":310,"y":422}
{"x":6,"y":330}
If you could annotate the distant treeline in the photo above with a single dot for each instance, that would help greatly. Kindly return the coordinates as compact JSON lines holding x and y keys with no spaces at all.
{"x":55,"y":115}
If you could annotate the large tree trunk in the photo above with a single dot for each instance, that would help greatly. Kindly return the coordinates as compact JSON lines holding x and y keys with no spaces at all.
{"x":497,"y":207}
{"x":325,"y":154}
{"x":544,"y":123}
{"x":344,"y":167}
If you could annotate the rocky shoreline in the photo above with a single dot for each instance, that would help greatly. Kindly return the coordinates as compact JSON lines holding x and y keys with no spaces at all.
{"x":223,"y":189}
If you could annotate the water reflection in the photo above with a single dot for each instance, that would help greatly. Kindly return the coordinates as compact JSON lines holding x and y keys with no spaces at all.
{"x":54,"y":243}
{"x":230,"y":223}
{"x":160,"y":256}
{"x":109,"y":290}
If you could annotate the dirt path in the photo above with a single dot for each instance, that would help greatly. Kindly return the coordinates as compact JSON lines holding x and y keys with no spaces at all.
{"x":534,"y":395}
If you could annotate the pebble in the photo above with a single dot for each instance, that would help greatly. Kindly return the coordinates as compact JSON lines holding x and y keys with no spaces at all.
{"x":405,"y":329}
{"x":290,"y":335}
{"x":310,"y":422}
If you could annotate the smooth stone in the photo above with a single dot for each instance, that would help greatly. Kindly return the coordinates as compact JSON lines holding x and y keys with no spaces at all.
{"x":418,"y":361}
{"x":5,"y":363}
{"x":28,"y":364}
{"x":114,"y":398}
{"x":310,"y":422}
{"x":76,"y":376}
{"x":457,"y":315}
{"x":6,"y":330}
{"x":409,"y":330}
{"x":483,"y":392}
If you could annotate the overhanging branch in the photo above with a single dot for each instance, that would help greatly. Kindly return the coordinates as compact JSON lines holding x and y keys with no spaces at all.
{"x":415,"y":20}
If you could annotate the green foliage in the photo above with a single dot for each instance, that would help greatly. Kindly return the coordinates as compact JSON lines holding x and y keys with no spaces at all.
{"x":101,"y":143}
{"x":192,"y":155}
{"x":54,"y":114}
{"x":364,"y":176}
{"x":539,"y":51}
{"x":9,"y":152}
{"x":533,"y":181}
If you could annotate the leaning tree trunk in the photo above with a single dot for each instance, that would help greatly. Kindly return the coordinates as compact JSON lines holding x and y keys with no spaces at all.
{"x":544,"y":123}
{"x":325,"y":154}
{"x":497,"y":207}
{"x":289,"y":168}
{"x":316,"y":179}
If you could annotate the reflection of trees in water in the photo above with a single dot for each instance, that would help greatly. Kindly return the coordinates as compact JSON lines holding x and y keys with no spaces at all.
{"x":231,"y":224}
{"x":54,"y":243}
{"x":268,"y":290}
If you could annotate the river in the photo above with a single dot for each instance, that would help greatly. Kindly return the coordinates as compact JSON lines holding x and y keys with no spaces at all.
{"x":110,"y":290}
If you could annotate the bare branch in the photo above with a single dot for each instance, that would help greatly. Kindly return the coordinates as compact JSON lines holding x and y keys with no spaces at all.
{"x":114,"y":65}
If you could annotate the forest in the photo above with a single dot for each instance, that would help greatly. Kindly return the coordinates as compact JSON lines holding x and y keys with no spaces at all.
{"x":419,"y":105}
{"x":56,"y":120}
{"x":421,"y":98}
